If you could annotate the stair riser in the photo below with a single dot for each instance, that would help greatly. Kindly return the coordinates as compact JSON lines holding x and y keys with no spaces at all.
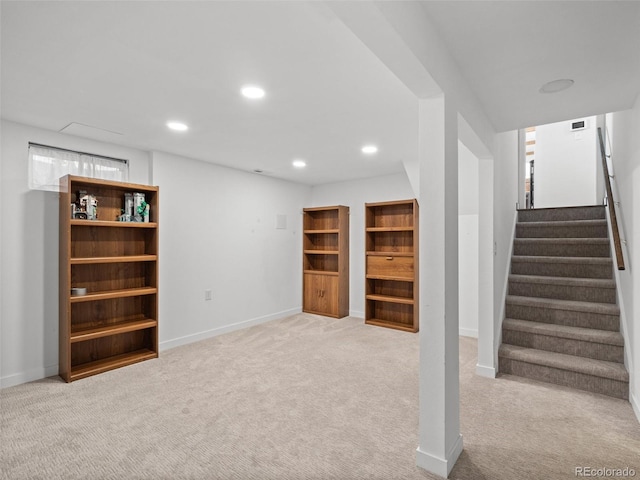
{"x":560,"y":250}
{"x":569,"y":318}
{"x":562,"y":270}
{"x":561,"y":231}
{"x":598,"y":351}
{"x":563,"y":292}
{"x":551,"y":215}
{"x":581,"y":381}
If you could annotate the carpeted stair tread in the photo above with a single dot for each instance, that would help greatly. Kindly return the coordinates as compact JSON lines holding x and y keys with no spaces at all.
{"x":561,"y":266}
{"x":589,"y":212}
{"x":563,"y":223}
{"x":563,"y":241}
{"x":565,"y":281}
{"x":571,"y":363}
{"x":567,"y":260}
{"x":573,"y":305}
{"x":562,"y":229}
{"x":562,"y":246}
{"x":562,"y":331}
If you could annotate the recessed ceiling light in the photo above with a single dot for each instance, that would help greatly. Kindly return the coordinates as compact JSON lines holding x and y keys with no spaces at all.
{"x":177,"y":126}
{"x":369,"y":149}
{"x":299,"y":163}
{"x":556,"y":85}
{"x":253,"y":92}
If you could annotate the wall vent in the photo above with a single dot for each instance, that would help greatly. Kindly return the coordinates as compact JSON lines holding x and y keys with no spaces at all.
{"x":579,"y":125}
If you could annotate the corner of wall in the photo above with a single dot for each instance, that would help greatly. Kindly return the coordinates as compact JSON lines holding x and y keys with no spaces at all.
{"x":635,"y":404}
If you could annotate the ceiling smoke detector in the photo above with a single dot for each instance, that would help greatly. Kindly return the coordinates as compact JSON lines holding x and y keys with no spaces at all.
{"x":556,"y":85}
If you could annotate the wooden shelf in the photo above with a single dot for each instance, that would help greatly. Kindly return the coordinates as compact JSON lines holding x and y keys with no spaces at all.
{"x":325,"y":247}
{"x":119,"y":259}
{"x":391,"y":296}
{"x":84,"y":334}
{"x":116,"y":322}
{"x":110,"y":363}
{"x":390,"y":254}
{"x":317,"y":232}
{"x":321,"y":272}
{"x":389,"y":229}
{"x":387,"y":298}
{"x":384,"y":323}
{"x":108,"y":295}
{"x":112,"y":184}
{"x":107,"y":223}
{"x":389,"y":277}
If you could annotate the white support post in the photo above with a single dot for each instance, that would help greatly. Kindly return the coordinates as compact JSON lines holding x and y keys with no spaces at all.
{"x":439,"y":430}
{"x":486,"y":365}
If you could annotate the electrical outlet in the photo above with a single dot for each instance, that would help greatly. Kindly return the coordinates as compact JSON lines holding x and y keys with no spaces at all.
{"x":208,"y":295}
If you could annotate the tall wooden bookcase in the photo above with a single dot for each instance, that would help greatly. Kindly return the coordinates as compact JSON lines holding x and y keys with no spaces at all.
{"x":116,"y":322}
{"x":391,"y":230}
{"x":326,"y":261}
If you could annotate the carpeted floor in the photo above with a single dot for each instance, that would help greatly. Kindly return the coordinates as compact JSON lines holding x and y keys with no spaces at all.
{"x":305,"y":397}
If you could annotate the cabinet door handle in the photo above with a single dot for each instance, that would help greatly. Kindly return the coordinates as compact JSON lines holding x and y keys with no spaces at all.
{"x":389,"y":258}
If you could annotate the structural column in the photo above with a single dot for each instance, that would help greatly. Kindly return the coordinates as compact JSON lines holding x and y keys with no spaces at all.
{"x":487,"y":362}
{"x":439,"y":430}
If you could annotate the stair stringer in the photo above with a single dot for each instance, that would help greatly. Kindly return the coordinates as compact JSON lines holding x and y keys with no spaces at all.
{"x":497,"y":334}
{"x":624,"y":327}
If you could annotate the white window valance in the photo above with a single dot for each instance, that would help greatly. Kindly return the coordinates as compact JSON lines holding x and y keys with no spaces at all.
{"x":48,"y":164}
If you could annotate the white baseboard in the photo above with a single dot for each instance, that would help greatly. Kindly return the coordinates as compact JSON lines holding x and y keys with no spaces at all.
{"x":356,"y":314}
{"x":28,"y":376}
{"x":196,"y":337}
{"x":440,"y":466}
{"x":635,"y":404}
{"x":468,"y":332}
{"x":484,"y":371}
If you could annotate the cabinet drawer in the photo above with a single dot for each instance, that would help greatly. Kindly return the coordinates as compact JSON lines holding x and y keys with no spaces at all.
{"x":390,"y":266}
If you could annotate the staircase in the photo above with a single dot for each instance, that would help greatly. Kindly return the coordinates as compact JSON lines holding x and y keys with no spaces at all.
{"x":562,"y":322}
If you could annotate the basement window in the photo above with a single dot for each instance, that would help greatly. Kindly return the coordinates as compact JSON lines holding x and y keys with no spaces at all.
{"x":47,"y":164}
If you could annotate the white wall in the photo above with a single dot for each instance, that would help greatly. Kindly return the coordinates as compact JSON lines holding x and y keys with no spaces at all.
{"x":218,"y":232}
{"x":468,"y":209}
{"x":29,"y":254}
{"x":565,"y":171}
{"x":355,"y":194}
{"x":504,"y":216}
{"x":625,"y":150}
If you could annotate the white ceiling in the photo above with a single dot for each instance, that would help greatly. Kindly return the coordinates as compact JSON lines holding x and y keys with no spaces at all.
{"x":508,"y":49}
{"x":129,"y":67}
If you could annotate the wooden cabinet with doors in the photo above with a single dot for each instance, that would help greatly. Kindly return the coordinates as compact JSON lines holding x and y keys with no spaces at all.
{"x":326,"y":261}
{"x":113,"y":320}
{"x":391,"y":230}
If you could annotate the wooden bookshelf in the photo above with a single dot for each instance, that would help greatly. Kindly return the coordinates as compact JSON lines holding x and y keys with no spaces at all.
{"x":326,"y":261}
{"x":391,"y":281}
{"x":116,"y":322}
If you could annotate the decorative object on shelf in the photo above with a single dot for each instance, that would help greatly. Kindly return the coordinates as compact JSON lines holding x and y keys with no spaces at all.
{"x":128,"y":205}
{"x":391,"y":230}
{"x":85,"y":206}
{"x":136,"y":209}
{"x":138,"y":206}
{"x":326,"y":261}
{"x":108,"y":280}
